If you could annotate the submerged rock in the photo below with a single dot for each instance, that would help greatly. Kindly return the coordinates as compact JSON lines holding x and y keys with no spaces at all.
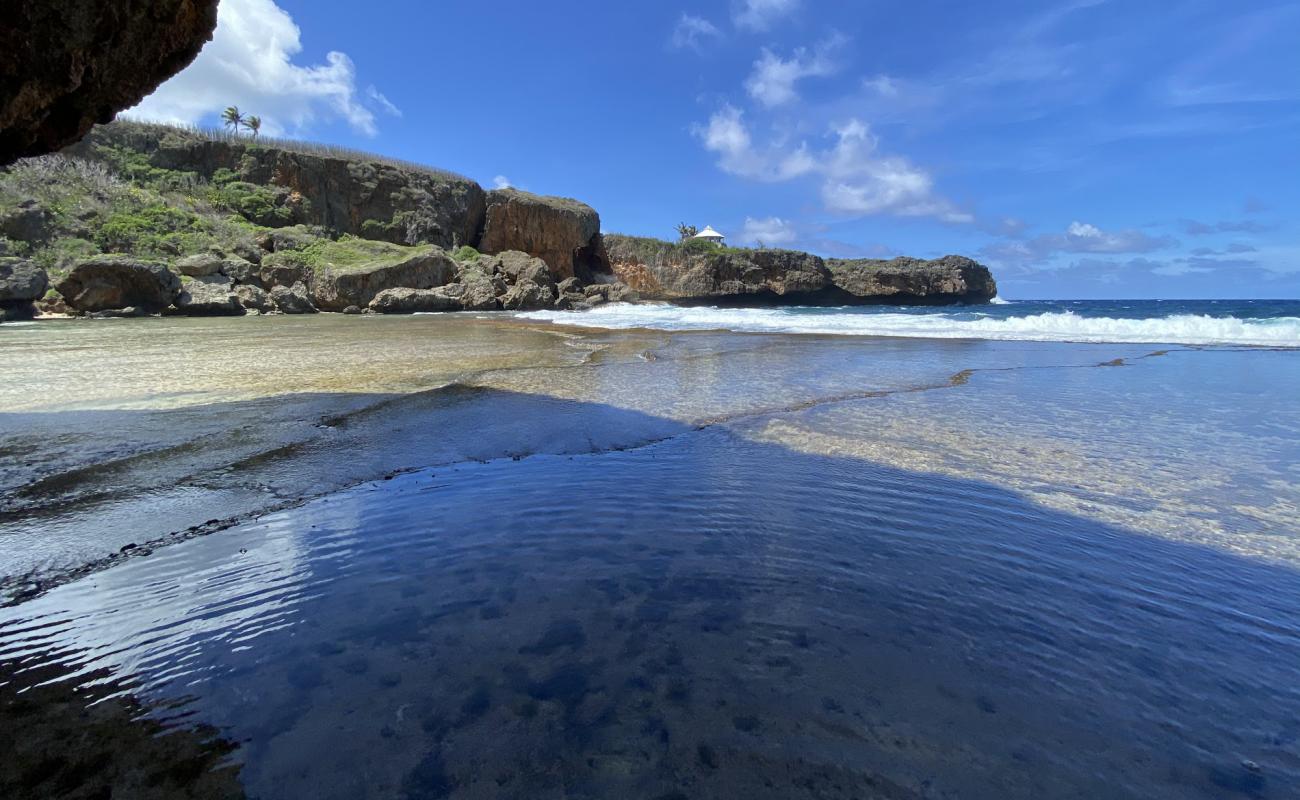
{"x":295,"y":299}
{"x":563,"y":233}
{"x":114,"y":282}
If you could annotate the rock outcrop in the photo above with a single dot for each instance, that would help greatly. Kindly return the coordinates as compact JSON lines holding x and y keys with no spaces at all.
{"x":22,"y":283}
{"x":373,"y":199}
{"x":663,"y":271}
{"x":951,"y":279}
{"x":335,"y":291}
{"x":211,"y":296}
{"x":410,"y":301}
{"x":115,"y":282}
{"x":65,"y":66}
{"x":701,"y":273}
{"x":295,"y":299}
{"x":562,"y":232}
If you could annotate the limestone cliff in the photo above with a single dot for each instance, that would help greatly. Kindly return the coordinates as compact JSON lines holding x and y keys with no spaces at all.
{"x":699,"y":272}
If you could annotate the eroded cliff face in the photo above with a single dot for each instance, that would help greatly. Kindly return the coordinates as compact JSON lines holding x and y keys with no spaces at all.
{"x":367,"y":198}
{"x":701,"y":273}
{"x":564,"y":233}
{"x":67,"y":65}
{"x":951,"y":279}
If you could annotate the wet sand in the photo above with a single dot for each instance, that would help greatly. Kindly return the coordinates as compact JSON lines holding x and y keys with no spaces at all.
{"x":650,"y":565}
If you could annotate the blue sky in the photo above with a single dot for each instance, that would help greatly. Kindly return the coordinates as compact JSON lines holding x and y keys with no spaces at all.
{"x":1095,"y":148}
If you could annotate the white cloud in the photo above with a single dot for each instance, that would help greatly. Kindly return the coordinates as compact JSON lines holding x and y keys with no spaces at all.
{"x":383,"y":102}
{"x":856,"y":179}
{"x":249,"y":63}
{"x":882,"y":85}
{"x":772,"y":83}
{"x":760,"y":15}
{"x":502,"y":182}
{"x":770,"y":231}
{"x":728,"y":137}
{"x":1079,"y":237}
{"x":691,"y":31}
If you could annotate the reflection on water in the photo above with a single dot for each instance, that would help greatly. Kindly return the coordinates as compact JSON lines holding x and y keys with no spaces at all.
{"x":708,"y":616}
{"x":662,"y":568}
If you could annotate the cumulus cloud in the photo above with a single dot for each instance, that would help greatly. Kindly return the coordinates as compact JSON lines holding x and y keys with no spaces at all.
{"x":760,"y":15}
{"x":693,"y":31}
{"x":856,"y":179}
{"x":382,"y":102}
{"x":502,"y":182}
{"x":772,"y":83}
{"x":769,"y":231}
{"x":728,"y":136}
{"x":250,"y":63}
{"x":1079,"y":237}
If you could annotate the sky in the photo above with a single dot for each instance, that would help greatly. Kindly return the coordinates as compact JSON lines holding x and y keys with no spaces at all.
{"x":1080,"y":148}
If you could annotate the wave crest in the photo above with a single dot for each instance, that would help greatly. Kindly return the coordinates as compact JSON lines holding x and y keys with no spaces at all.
{"x":1062,"y":326}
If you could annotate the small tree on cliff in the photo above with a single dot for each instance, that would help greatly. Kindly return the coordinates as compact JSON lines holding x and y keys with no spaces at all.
{"x":254,"y":124}
{"x":686,"y":231}
{"x":233,"y":118}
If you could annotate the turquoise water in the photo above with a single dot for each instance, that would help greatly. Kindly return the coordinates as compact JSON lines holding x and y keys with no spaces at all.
{"x":657,"y":564}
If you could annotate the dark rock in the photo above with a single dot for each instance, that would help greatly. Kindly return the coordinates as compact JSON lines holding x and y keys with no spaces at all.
{"x":569,"y":286}
{"x":242,"y":271}
{"x":29,"y":222}
{"x":572,"y":301}
{"x":254,"y":298}
{"x":950,"y":279}
{"x":335,"y":291}
{"x":213,"y":296}
{"x":277,"y":270}
{"x":200,"y":265}
{"x":295,"y":299}
{"x":65,"y":66}
{"x":728,"y":276}
{"x":562,"y":232}
{"x":352,"y":310}
{"x":408,"y":301}
{"x":21,"y":281}
{"x":114,"y":282}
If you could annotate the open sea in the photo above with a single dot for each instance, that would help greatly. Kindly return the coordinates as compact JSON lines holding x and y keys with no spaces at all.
{"x":1023,"y":550}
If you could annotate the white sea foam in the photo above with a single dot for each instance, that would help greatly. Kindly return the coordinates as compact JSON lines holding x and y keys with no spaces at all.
{"x":998,"y":301}
{"x":1048,"y":327}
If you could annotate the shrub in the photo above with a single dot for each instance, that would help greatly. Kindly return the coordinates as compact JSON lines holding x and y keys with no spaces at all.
{"x":465,"y":254}
{"x":155,"y":228}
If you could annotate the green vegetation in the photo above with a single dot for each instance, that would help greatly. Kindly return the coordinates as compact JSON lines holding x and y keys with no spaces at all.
{"x":465,"y":254}
{"x":347,"y":254}
{"x":647,"y":249}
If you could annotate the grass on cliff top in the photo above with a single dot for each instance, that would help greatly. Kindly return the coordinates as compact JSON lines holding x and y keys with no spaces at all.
{"x":347,"y":254}
{"x":648,"y":248}
{"x":161,"y":130}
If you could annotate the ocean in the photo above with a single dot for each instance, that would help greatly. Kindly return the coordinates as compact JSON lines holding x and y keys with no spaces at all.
{"x":1024,"y":550}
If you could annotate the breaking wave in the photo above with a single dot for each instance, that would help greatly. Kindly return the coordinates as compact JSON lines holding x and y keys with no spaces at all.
{"x":1056,"y":326}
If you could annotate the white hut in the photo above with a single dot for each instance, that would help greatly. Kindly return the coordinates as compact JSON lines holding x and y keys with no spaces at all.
{"x":709,"y":235}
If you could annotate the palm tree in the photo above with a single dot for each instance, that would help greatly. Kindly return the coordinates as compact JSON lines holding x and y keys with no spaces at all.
{"x":686,"y":231}
{"x":254,"y":124}
{"x":232,"y":118}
